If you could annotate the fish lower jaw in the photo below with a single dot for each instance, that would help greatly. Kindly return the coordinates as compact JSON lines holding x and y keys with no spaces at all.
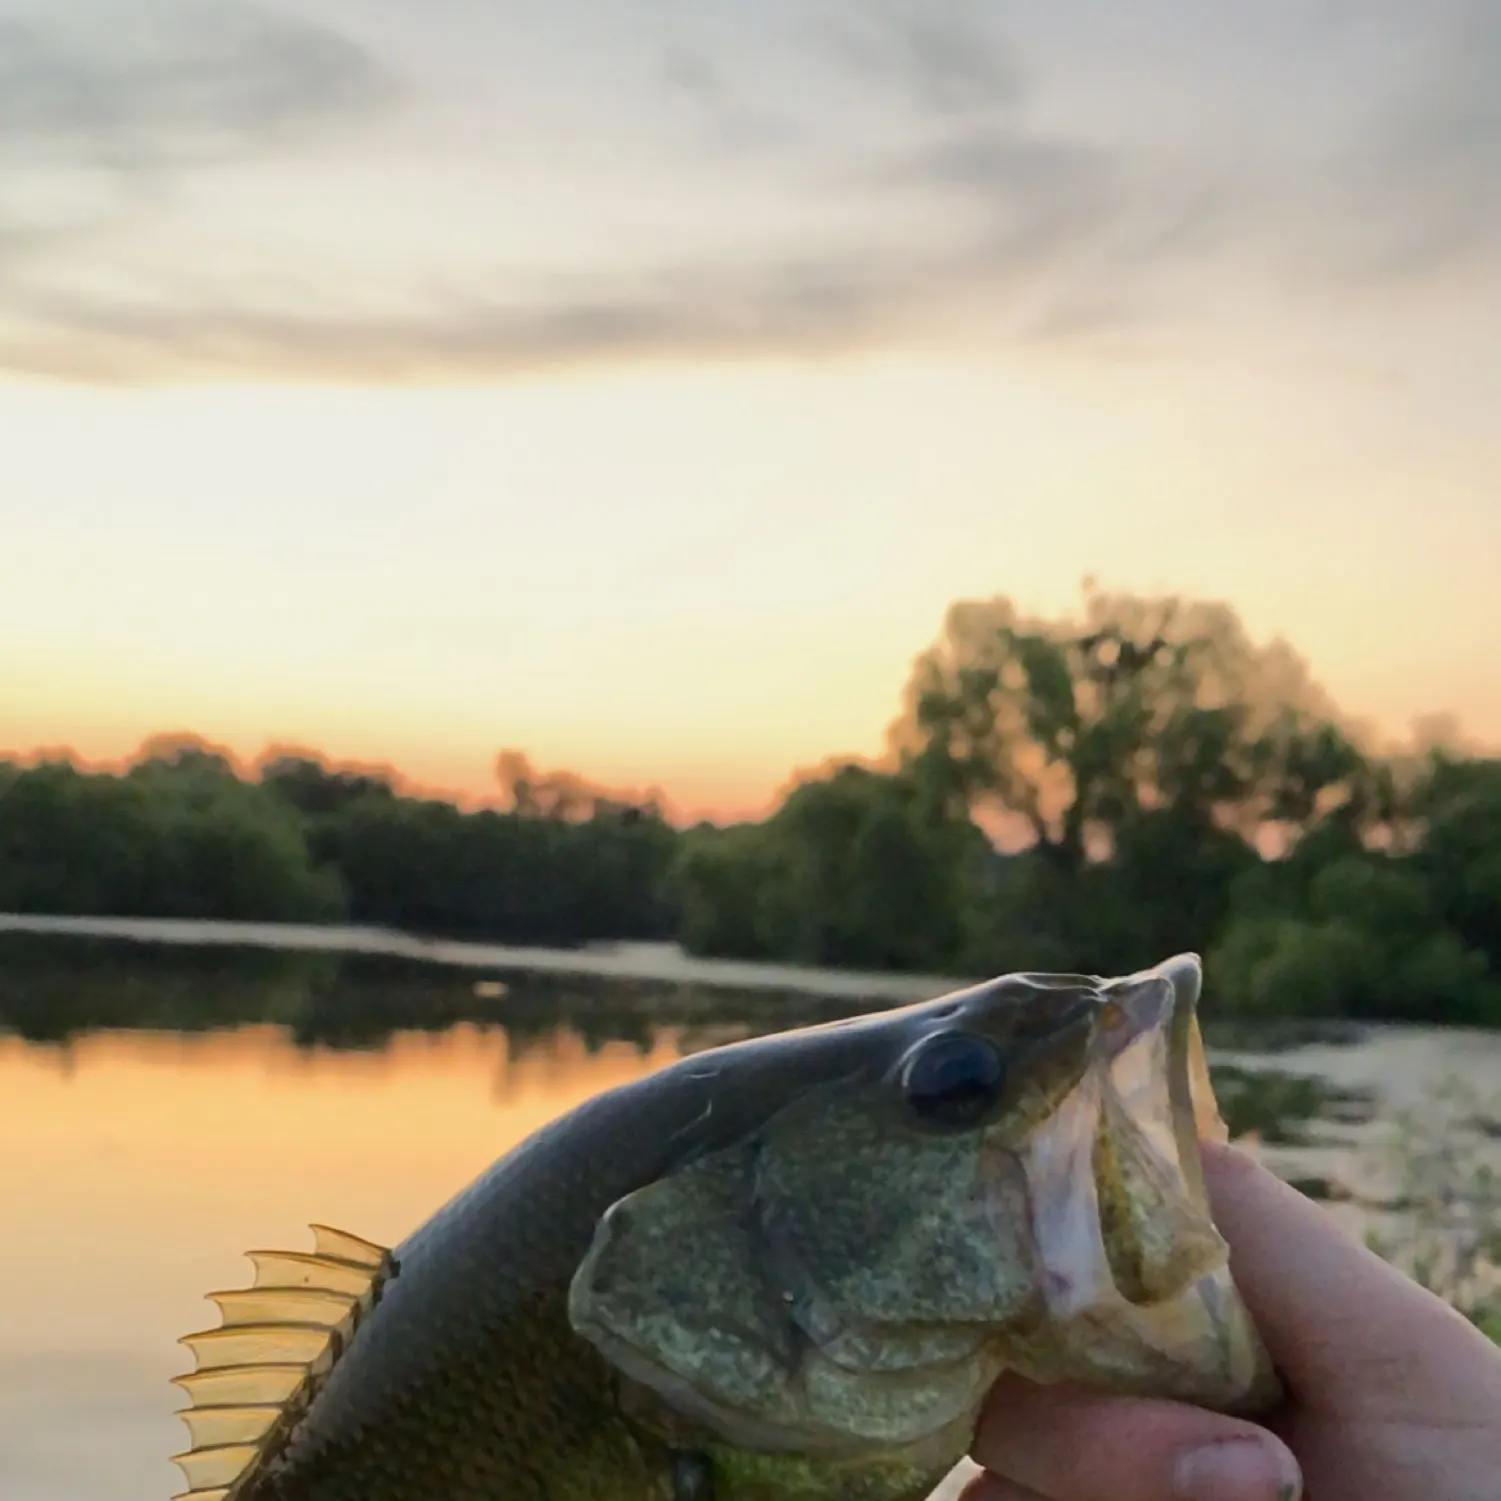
{"x":1198,"y":1346}
{"x":669,"y":1403}
{"x":675,"y":1411}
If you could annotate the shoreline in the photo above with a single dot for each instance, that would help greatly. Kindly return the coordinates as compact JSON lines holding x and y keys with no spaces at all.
{"x":664,"y":963}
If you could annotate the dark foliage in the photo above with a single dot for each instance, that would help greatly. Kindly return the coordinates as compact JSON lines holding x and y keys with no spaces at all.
{"x":1134,"y":755}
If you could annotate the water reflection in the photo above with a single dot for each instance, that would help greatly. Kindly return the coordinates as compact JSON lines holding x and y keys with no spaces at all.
{"x":136,"y":1166}
{"x":59,"y":991}
{"x":161,"y":1111}
{"x":52,"y":990}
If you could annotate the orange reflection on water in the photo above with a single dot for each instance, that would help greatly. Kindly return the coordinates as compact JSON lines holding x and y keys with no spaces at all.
{"x":135,"y":1168}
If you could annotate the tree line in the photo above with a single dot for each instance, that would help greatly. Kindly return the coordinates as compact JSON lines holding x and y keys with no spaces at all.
{"x":183,"y":834}
{"x":1083,"y":793}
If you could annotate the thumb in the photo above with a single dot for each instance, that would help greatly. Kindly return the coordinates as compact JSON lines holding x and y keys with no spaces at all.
{"x":1346,"y":1330}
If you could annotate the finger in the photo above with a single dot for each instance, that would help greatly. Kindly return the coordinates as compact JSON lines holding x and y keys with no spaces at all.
{"x":1326,"y":1305}
{"x":1071,"y":1445}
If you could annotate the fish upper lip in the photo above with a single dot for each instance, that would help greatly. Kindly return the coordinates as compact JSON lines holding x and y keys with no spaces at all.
{"x":1190,"y":1091}
{"x":1186,"y":1061}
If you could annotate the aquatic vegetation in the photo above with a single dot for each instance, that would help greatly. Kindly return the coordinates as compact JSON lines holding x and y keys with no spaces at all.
{"x":1446,"y":1201}
{"x":1277,"y":1106}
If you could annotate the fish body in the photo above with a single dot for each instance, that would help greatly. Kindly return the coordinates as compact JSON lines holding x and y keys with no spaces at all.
{"x":786,"y":1268}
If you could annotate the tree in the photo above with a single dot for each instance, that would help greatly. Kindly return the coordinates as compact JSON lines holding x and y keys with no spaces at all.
{"x":1459,"y":803}
{"x":563,"y":795}
{"x":1369,"y":942}
{"x":857,"y":867}
{"x":178,"y":836}
{"x":1066,"y":728}
{"x":1136,"y":750}
{"x":729,"y":890}
{"x":317,"y":790}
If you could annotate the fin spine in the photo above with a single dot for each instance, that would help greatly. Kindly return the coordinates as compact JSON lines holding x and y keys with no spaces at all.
{"x":241,"y":1340}
{"x":330,"y":1242}
{"x":292,"y":1305}
{"x":276,"y":1343}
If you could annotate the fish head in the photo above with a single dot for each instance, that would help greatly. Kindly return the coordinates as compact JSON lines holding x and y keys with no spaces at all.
{"x":894,"y":1211}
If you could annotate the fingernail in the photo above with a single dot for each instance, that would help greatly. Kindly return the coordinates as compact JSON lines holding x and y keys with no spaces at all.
{"x":1238,"y":1469}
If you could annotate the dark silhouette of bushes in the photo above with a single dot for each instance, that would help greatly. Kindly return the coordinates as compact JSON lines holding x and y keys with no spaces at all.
{"x":1164,"y":785}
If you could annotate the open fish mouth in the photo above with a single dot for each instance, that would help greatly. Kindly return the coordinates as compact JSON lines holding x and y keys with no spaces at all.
{"x":1133,"y":1274}
{"x":854,"y":1264}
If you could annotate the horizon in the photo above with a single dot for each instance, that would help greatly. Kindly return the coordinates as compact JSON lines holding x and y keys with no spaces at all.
{"x":1422,"y":730}
{"x":641,"y":393}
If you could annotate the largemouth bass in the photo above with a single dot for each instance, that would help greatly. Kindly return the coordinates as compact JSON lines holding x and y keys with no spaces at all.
{"x":787,"y":1268}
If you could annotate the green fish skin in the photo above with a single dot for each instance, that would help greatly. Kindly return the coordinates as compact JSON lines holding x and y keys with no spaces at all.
{"x":791,"y":1268}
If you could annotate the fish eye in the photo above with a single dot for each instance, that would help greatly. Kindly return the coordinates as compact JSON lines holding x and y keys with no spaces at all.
{"x":952,"y":1079}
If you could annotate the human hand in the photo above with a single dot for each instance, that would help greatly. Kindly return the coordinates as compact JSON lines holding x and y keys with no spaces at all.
{"x":1391,"y":1394}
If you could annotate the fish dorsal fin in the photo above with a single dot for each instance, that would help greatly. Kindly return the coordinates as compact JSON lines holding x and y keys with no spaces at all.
{"x":257,"y":1372}
{"x":347,"y":1247}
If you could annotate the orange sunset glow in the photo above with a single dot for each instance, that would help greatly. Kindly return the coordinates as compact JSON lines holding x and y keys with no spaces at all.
{"x":147,"y":1164}
{"x":224,"y":1141}
{"x":414,"y":383}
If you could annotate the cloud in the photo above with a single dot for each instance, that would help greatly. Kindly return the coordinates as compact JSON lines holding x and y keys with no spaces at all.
{"x":1420,"y":190}
{"x":977,"y":200}
{"x":803,"y":306}
{"x":1400,"y":187}
{"x":831,"y":307}
{"x":944,"y":56}
{"x":1037,"y":195}
{"x":154,"y":85}
{"x":102,"y":111}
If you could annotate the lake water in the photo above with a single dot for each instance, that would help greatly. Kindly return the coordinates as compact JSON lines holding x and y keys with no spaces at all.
{"x":162,"y":1112}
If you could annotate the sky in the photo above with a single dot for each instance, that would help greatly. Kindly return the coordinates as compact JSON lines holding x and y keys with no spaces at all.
{"x":636,"y":385}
